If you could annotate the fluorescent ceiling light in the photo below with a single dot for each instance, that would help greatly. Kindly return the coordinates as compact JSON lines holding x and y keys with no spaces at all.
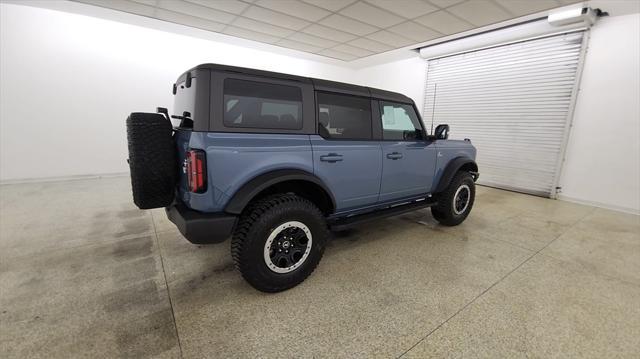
{"x":564,"y":15}
{"x":572,"y":16}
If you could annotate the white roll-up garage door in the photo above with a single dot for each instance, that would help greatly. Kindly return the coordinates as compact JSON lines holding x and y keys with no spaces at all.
{"x":514,"y":102}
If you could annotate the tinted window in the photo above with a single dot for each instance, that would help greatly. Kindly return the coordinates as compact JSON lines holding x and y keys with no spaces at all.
{"x":184,"y":105}
{"x":344,"y":117}
{"x":261,"y":105}
{"x":399,"y":122}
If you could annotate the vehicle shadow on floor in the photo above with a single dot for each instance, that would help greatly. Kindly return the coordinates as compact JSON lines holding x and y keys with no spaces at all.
{"x":212,"y":265}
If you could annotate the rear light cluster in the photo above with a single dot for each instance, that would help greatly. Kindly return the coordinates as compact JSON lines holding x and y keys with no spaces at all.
{"x":196,"y":171}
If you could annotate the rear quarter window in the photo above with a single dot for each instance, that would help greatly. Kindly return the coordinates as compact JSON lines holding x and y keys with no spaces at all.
{"x":252,"y":104}
{"x":184,"y":104}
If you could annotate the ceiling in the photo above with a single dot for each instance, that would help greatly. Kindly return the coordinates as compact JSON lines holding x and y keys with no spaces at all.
{"x":339,"y":29}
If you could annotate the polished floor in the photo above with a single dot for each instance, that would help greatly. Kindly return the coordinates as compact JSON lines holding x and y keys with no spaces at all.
{"x":83,"y":273}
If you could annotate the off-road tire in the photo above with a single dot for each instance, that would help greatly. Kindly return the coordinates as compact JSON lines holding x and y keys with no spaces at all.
{"x":152,"y":160}
{"x":257,"y":222}
{"x":444,"y":211}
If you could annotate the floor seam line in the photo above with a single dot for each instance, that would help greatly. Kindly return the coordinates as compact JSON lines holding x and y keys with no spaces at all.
{"x":589,"y":271}
{"x":166,"y":283}
{"x":489,"y":288}
{"x":466,"y":305}
{"x":512,"y":244}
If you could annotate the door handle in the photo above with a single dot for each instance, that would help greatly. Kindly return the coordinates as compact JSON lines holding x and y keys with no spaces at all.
{"x":332,"y":157}
{"x":394,"y":155}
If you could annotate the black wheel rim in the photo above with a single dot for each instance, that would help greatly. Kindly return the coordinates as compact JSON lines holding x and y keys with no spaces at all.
{"x":287,"y":247}
{"x":461,"y":199}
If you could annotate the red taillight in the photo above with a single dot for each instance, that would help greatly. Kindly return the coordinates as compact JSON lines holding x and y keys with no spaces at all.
{"x":196,"y":171}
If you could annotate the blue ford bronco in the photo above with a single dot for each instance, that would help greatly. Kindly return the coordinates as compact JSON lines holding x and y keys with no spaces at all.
{"x":277,"y":162}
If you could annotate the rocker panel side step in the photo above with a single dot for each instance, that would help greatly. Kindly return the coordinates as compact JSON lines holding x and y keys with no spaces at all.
{"x":340,"y":224}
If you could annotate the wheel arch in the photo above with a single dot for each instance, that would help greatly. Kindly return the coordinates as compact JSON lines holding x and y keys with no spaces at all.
{"x":455,"y":165}
{"x":300,"y":182}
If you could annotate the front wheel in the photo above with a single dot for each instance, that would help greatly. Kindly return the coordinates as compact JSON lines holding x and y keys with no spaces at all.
{"x":455,"y":202}
{"x":279,"y":241}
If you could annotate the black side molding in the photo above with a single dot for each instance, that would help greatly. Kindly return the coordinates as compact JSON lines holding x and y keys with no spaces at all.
{"x":249,"y":190}
{"x":454,"y":166}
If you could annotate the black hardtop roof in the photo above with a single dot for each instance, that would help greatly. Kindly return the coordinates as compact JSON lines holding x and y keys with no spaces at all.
{"x":318,"y":84}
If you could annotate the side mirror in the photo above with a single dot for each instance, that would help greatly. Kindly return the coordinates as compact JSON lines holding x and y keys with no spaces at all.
{"x":441,"y":132}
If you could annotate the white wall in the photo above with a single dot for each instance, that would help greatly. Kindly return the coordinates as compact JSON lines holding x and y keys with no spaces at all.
{"x":603,"y":155}
{"x":68,"y":82}
{"x":405,"y":76}
{"x":602,"y":164}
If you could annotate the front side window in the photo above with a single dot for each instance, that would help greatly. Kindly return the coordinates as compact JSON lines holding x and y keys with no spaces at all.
{"x":251,"y":104}
{"x":344,"y":117}
{"x":399,"y":122}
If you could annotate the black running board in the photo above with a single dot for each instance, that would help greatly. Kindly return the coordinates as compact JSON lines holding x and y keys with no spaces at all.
{"x":343,"y":223}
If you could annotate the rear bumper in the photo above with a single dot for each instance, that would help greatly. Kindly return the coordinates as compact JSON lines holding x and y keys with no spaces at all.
{"x":201,"y":228}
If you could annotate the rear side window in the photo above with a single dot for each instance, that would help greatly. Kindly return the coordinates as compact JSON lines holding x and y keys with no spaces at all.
{"x":344,"y":117}
{"x":251,"y":104}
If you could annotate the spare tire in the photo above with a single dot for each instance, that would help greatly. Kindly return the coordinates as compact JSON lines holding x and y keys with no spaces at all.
{"x":152,"y":159}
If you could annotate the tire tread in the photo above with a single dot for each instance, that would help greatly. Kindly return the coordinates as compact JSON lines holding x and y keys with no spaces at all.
{"x":442,"y":211}
{"x":152,"y":160}
{"x":249,"y":218}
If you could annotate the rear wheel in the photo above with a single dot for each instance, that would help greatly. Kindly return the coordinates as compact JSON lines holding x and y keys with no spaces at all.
{"x":455,"y":202}
{"x":279,"y":241}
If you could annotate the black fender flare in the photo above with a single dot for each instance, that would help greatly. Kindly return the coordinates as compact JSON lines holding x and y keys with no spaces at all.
{"x":453,"y":167}
{"x":253,"y":187}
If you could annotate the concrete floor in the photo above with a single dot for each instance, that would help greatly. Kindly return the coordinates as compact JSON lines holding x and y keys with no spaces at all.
{"x":84,"y":273}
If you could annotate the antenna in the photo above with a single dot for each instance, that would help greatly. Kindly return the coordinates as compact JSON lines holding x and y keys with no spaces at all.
{"x":433,"y":109}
